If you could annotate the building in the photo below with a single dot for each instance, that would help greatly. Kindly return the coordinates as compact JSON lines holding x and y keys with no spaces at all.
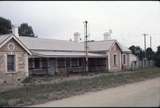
{"x":24,"y":56}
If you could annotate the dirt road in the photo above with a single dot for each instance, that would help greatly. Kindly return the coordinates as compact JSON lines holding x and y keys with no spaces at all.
{"x":144,"y":93}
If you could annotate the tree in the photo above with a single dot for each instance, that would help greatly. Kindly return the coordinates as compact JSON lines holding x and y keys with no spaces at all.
{"x":5,"y":26}
{"x":136,"y":50}
{"x":25,"y":30}
{"x":132,"y":48}
{"x":149,"y":54}
{"x":157,"y":57}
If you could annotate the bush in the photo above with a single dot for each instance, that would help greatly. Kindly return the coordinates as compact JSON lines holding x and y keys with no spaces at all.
{"x":26,"y":80}
{"x":3,"y":102}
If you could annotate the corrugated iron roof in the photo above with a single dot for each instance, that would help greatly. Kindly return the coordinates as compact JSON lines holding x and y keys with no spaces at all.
{"x":51,"y":44}
{"x":65,"y":54}
{"x":100,"y":45}
{"x":4,"y":37}
{"x":63,"y":45}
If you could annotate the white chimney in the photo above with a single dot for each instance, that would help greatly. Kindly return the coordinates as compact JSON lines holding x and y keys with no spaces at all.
{"x":76,"y":37}
{"x":107,"y":35}
{"x":15,"y":31}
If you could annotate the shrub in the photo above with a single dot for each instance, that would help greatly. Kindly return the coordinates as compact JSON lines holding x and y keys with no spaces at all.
{"x":3,"y":102}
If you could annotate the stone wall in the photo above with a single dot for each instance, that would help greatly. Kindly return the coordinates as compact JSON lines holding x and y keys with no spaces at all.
{"x":125,"y":66}
{"x":21,"y":61}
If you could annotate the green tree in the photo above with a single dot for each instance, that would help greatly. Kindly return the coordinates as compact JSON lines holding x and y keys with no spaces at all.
{"x":132,"y":48}
{"x":157,"y":57}
{"x":149,"y":54}
{"x":5,"y":26}
{"x":25,"y":30}
{"x":136,"y":50}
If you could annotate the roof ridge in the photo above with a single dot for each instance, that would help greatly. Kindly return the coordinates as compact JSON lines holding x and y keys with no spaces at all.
{"x":47,"y":39}
{"x":104,"y":40}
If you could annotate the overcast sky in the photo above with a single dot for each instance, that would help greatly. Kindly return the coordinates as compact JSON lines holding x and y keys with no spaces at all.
{"x":59,"y":20}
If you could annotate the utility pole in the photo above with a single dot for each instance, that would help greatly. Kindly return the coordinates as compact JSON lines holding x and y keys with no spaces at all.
{"x":145,"y":48}
{"x":86,"y":46}
{"x":150,"y":41}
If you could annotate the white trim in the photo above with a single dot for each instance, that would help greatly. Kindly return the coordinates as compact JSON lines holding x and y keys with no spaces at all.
{"x":22,"y":45}
{"x":5,"y":41}
{"x":114,"y":44}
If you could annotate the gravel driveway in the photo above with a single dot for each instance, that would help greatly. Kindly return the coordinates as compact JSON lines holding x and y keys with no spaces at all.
{"x":144,"y":93}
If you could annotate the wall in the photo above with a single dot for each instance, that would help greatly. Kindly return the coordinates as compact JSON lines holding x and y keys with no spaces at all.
{"x":115,"y":50}
{"x":21,"y":70}
{"x":125,"y":66}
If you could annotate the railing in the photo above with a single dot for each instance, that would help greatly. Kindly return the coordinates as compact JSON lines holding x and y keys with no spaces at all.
{"x":38,"y":71}
{"x":64,"y":70}
{"x":81,"y":69}
{"x":97,"y":68}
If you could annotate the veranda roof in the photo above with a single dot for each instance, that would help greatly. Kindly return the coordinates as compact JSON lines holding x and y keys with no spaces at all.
{"x":65,"y":54}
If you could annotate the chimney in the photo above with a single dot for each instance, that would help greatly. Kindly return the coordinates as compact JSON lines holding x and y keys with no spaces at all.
{"x":107,"y":35}
{"x":76,"y":37}
{"x":15,"y":30}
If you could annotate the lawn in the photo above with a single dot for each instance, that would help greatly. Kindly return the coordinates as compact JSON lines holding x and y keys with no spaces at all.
{"x":39,"y":93}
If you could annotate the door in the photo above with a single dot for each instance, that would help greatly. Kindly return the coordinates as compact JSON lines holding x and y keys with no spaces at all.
{"x":52,"y":66}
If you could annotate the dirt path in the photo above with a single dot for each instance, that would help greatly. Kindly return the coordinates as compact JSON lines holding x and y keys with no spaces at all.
{"x":144,"y":93}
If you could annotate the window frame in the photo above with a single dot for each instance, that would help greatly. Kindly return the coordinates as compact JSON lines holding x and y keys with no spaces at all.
{"x":124,"y":59}
{"x":115,"y":60}
{"x":14,"y":63}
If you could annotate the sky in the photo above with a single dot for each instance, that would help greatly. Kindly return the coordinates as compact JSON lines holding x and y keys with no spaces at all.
{"x":128,"y":20}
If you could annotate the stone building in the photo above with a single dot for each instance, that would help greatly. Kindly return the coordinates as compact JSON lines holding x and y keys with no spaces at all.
{"x":23,"y":56}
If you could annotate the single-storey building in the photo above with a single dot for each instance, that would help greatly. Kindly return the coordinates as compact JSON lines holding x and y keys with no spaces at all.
{"x":23,"y":56}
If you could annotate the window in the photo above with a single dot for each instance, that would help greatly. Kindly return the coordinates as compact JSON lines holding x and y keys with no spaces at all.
{"x":75,"y":62}
{"x":114,"y":59}
{"x":31,"y":65}
{"x":68,"y":62}
{"x":124,"y":59}
{"x":36,"y":63}
{"x":44,"y":63}
{"x":10,"y":63}
{"x":61,"y":62}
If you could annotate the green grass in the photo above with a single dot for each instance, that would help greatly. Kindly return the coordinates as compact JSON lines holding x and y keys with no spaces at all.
{"x":34,"y":94}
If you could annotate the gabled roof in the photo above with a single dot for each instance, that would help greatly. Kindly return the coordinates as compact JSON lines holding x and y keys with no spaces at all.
{"x":3,"y":38}
{"x":100,"y":45}
{"x":61,"y":45}
{"x":6,"y":38}
{"x":64,"y":45}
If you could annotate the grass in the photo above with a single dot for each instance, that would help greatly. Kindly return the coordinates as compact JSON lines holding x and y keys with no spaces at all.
{"x":34,"y":94}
